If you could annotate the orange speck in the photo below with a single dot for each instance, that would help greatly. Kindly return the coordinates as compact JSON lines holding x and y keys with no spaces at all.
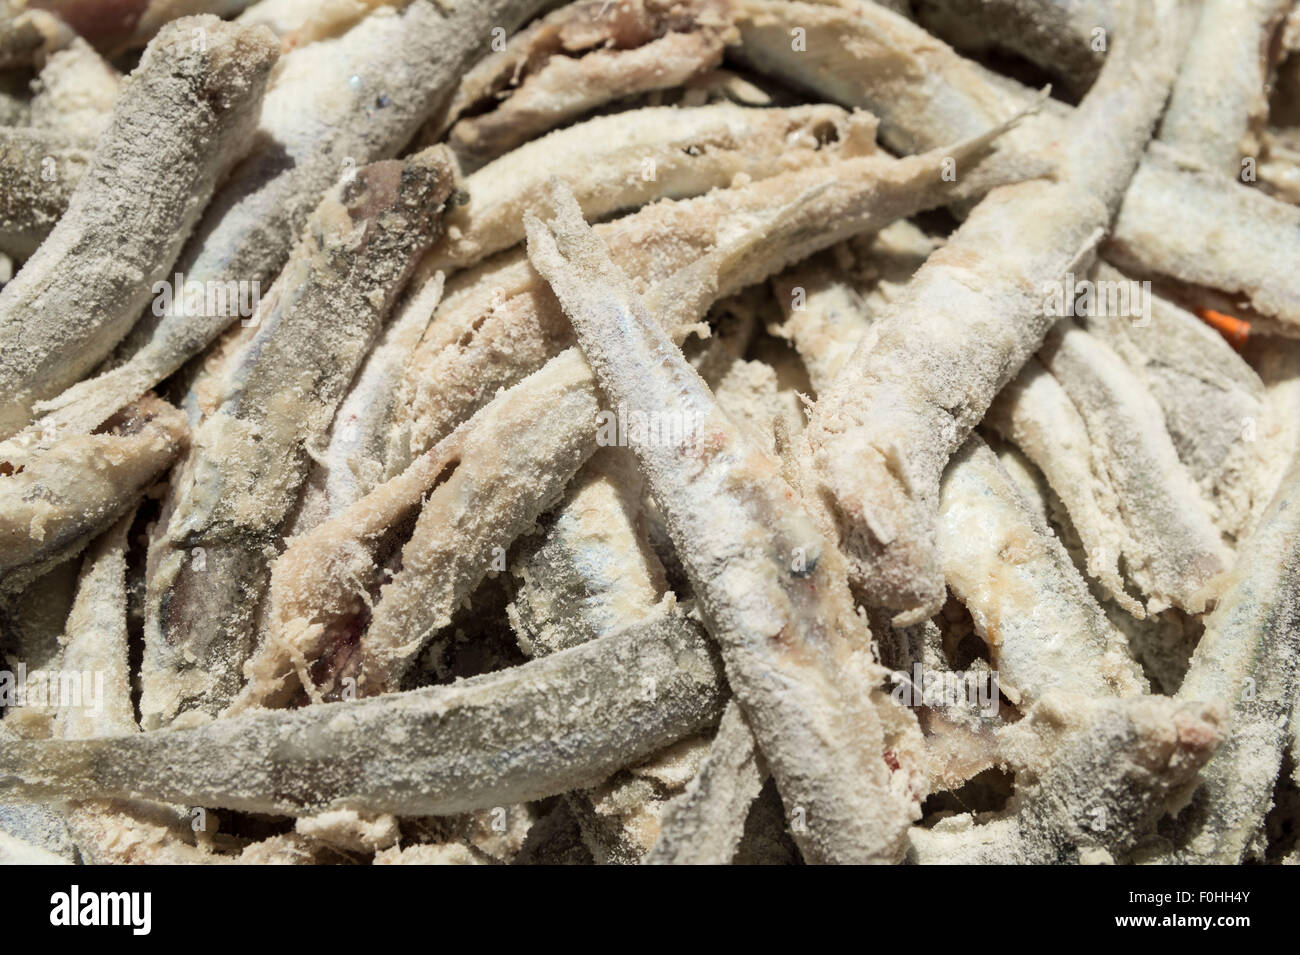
{"x":1233,"y":329}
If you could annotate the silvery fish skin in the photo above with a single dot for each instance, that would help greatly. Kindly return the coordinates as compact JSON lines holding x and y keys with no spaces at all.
{"x":796,"y":619}
{"x":1248,"y":661}
{"x":486,"y":741}
{"x":1068,"y":38}
{"x":152,"y":173}
{"x":277,"y":396}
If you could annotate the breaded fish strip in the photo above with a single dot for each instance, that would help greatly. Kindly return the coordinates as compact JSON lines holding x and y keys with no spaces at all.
{"x":878,"y":442}
{"x":74,"y":93}
{"x":771,"y":592}
{"x":278,"y":394}
{"x":536,"y":730}
{"x":333,"y":107}
{"x":182,"y":118}
{"x":1196,"y":228}
{"x":704,"y":825}
{"x":1172,"y":550}
{"x":501,"y":322}
{"x":627,"y":160}
{"x":1209,"y":396}
{"x":1044,"y":630}
{"x":1184,"y":224}
{"x":32,"y":200}
{"x":54,"y":499}
{"x":1249,"y":662}
{"x":1100,"y":774}
{"x":565,"y":88}
{"x":1220,"y":100}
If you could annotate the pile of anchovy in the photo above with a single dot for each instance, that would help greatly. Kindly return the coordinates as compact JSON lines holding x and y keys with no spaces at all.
{"x":650,"y":431}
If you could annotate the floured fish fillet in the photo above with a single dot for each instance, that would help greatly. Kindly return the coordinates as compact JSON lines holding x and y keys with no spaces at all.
{"x":208,"y":563}
{"x":53,"y":500}
{"x":500,"y":322}
{"x":352,"y":464}
{"x":415,"y":603}
{"x":1209,"y":396}
{"x":1172,"y":550}
{"x":1044,"y":630}
{"x":1163,"y":230}
{"x":39,"y":172}
{"x":152,"y":172}
{"x":334,"y":106}
{"x":1092,"y":777}
{"x":1248,"y":661}
{"x":1220,"y":100}
{"x":824,"y":666}
{"x":1037,"y":414}
{"x":324,"y":587}
{"x":627,"y":160}
{"x":95,"y":639}
{"x":878,"y":441}
{"x":536,"y":730}
{"x":1196,"y":228}
{"x":580,"y":57}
